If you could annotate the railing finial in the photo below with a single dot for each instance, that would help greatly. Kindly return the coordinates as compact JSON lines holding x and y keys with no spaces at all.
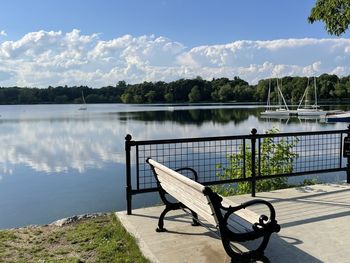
{"x":254,"y":131}
{"x":128,"y":137}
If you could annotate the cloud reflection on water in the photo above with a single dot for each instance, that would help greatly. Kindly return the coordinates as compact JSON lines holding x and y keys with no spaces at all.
{"x":57,"y":142}
{"x":56,"y":146}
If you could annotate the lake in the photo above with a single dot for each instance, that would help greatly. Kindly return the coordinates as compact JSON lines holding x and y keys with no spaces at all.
{"x":57,"y":161}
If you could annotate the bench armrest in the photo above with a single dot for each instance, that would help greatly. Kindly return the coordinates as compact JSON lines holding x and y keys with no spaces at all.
{"x":266,"y":224}
{"x":244,"y":205}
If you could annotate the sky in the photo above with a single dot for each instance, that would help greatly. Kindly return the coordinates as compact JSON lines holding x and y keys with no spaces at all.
{"x":98,"y":43}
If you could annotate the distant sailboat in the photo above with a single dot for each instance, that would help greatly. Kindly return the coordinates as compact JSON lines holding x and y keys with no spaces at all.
{"x":307,"y":109}
{"x":282,"y":110}
{"x":83,"y":107}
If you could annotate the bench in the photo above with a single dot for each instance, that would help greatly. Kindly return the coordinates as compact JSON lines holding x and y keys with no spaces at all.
{"x":233,"y":223}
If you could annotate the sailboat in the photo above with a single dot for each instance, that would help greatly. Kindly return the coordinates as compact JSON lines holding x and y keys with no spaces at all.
{"x":282,"y":110}
{"x":83,"y":107}
{"x":307,"y":109}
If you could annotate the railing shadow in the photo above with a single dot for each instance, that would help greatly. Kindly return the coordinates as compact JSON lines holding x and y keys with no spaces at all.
{"x":329,"y":201}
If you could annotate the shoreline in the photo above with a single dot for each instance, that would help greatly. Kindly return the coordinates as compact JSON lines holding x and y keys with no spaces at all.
{"x":62,"y":222}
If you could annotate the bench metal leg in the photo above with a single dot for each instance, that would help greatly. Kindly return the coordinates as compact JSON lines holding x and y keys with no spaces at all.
{"x":174,"y":206}
{"x":250,"y":256}
{"x":195,"y":221}
{"x":168,"y":207}
{"x":262,"y":259}
{"x":160,"y":227}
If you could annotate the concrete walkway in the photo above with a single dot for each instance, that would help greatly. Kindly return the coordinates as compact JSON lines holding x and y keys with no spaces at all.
{"x":315,"y":223}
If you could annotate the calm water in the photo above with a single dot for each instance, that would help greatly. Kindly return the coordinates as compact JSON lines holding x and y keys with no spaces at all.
{"x":57,"y":161}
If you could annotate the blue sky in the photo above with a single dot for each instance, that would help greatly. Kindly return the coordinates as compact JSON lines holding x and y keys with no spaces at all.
{"x":98,"y":43}
{"x":192,"y":22}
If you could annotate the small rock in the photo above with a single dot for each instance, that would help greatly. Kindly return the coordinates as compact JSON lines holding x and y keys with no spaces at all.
{"x":72,"y":219}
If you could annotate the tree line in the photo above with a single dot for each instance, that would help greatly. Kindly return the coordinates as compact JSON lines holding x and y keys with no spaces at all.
{"x":329,"y":87}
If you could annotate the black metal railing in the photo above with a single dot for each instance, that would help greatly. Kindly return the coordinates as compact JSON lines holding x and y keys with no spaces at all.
{"x":243,"y":157}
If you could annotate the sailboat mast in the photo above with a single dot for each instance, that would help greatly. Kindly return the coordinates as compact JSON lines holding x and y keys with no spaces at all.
{"x":82,"y":95}
{"x":315,"y":92}
{"x":269,"y":96}
{"x":278,"y":95}
{"x":302,"y":98}
{"x":284,"y":101}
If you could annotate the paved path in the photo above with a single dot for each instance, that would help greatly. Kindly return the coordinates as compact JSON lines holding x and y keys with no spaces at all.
{"x":315,"y":223}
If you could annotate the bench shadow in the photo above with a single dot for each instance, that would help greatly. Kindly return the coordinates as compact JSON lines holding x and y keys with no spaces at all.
{"x":281,"y":248}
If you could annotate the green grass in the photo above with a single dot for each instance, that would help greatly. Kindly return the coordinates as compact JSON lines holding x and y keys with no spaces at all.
{"x":100,"y":239}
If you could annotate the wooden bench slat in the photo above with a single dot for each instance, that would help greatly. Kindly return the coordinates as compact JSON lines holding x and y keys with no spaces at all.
{"x":163,"y":177}
{"x":247,"y":214}
{"x":197,"y":196}
{"x":178,"y":176}
{"x":191,"y":197}
{"x":238,"y":224}
{"x":194,"y":206}
{"x":192,"y":194}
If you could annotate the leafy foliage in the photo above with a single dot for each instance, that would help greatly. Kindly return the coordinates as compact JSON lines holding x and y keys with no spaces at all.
{"x":276,"y":157}
{"x":334,"y":13}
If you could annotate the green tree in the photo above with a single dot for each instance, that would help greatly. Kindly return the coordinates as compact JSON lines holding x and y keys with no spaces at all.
{"x":243,"y":93}
{"x":127,"y":98}
{"x":334,"y":13}
{"x":121,"y":84}
{"x":26,"y":96}
{"x":169,"y":97}
{"x":326,"y":84}
{"x":61,"y":99}
{"x":94,"y":98}
{"x":151,"y":96}
{"x":194,"y":95}
{"x":276,"y":157}
{"x":138,"y":99}
{"x":225,"y":92}
{"x":340,"y":90}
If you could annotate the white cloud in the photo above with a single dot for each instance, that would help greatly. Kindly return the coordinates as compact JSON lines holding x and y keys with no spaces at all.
{"x":46,"y":58}
{"x":3,"y":33}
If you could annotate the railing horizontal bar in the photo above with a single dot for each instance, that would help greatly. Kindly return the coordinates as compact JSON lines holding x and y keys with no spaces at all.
{"x":301,"y":173}
{"x":236,"y":137}
{"x":201,"y":139}
{"x":248,"y":179}
{"x":227,"y":181}
{"x":269,"y":135}
{"x":146,"y":190}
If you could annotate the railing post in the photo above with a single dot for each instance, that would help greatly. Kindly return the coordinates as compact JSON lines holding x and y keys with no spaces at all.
{"x":254,"y":131}
{"x":128,"y":172}
{"x":348,"y":161}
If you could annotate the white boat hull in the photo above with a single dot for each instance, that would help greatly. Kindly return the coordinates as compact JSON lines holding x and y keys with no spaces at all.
{"x":276,"y":113}
{"x":307,"y":112}
{"x":343,"y":117}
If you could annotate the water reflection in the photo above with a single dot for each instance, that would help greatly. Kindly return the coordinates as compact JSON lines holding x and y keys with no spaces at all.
{"x":58,"y":145}
{"x":193,"y":116}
